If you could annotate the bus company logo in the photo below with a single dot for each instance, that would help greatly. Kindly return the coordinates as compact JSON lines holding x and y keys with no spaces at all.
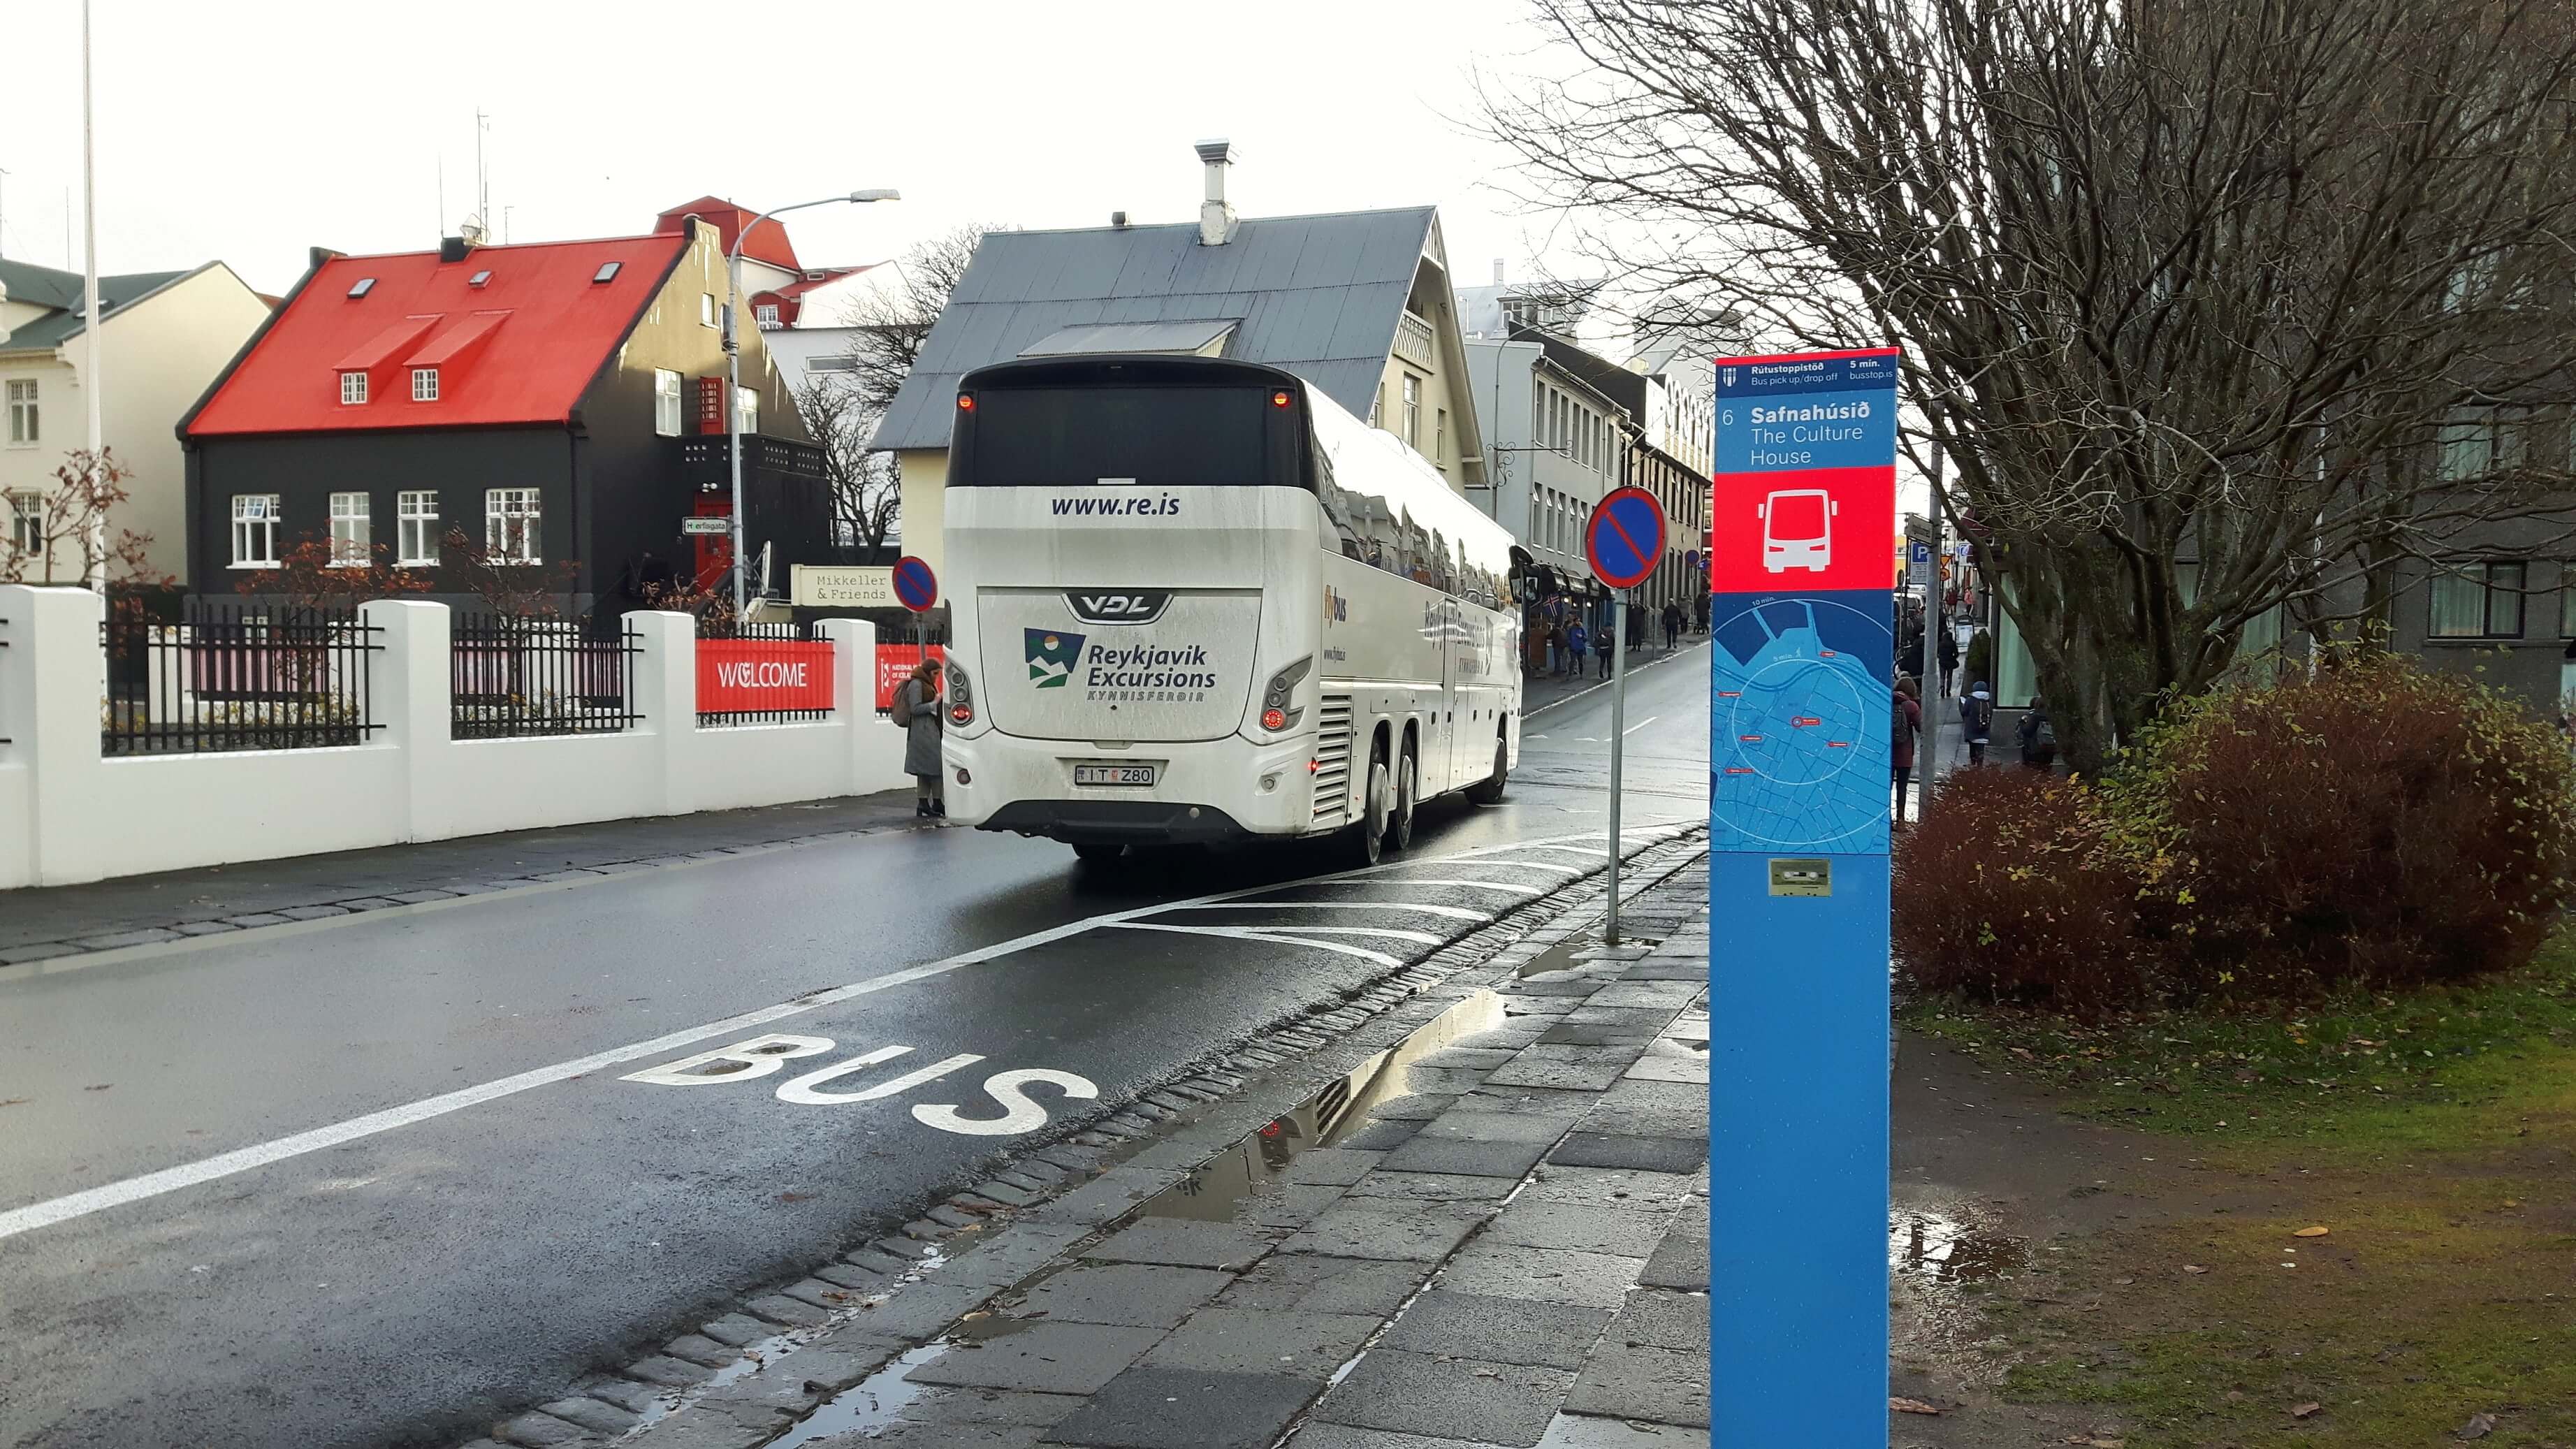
{"x":1051,"y":654}
{"x":1337,"y":606}
{"x":1115,"y":606}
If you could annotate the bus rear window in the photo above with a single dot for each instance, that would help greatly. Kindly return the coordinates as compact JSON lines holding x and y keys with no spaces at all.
{"x":1156,"y":437}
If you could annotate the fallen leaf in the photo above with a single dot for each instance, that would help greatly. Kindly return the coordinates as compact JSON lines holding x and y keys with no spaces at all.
{"x":1911,"y":1406}
{"x":2301,"y":1411}
{"x":2478,"y":1427}
{"x":2193,"y":1268}
{"x":2309,"y":1233}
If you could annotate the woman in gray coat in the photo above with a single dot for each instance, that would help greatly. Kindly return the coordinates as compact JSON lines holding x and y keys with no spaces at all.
{"x":917,"y":709}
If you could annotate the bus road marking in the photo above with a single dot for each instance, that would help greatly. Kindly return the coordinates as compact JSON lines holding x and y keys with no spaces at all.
{"x":1274,"y":937}
{"x":70,"y":1206}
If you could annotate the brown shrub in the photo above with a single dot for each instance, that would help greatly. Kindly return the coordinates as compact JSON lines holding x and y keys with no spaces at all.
{"x":2382,"y":824}
{"x":2010,"y":890}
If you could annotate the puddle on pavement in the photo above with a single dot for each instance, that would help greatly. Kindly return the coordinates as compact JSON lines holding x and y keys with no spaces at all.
{"x":1256,"y":1164}
{"x":1582,"y":950}
{"x":869,"y":1408}
{"x":1935,"y":1248}
{"x":1251,"y":1166}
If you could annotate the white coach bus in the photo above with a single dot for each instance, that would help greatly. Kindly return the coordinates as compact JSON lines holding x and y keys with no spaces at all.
{"x":1194,"y":600}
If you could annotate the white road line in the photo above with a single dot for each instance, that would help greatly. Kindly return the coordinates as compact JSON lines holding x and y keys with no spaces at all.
{"x":227,"y":1164}
{"x":1236,"y":933}
{"x":1428,"y":910}
{"x":1594,"y":851}
{"x":1474,"y":885}
{"x":1641,"y":724}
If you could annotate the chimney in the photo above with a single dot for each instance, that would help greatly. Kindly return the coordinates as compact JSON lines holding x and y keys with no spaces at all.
{"x":1216,"y":217}
{"x":451,"y":249}
{"x":1118,"y":219}
{"x":1498,"y":271}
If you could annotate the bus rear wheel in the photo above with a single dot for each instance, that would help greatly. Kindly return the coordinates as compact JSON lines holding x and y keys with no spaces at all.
{"x":1372,"y":824}
{"x":1399,"y":831}
{"x":1489,"y":790}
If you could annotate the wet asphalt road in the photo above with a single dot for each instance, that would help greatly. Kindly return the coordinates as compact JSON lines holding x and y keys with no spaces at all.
{"x":456,"y":1258}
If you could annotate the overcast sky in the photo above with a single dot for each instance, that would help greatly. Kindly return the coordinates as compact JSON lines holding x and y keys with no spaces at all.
{"x":251,"y":130}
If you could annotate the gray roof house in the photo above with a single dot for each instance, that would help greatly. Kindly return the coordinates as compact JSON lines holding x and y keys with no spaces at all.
{"x":1358,"y":303}
{"x":163,"y":336}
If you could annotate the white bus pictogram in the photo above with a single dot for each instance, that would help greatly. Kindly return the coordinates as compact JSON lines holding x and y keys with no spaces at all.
{"x":1797,"y":530}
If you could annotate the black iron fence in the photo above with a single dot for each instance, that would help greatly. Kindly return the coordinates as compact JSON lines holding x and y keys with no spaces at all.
{"x":235,"y":677}
{"x":765,"y":673}
{"x":511,"y":677}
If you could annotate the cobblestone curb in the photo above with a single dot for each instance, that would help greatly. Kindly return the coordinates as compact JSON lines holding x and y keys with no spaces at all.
{"x":748,"y":1376}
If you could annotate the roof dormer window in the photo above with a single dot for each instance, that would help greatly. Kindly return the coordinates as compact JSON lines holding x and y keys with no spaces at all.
{"x":361,"y":287}
{"x":607,"y":273}
{"x":353,"y":388}
{"x":424,"y":384}
{"x":479,"y":278}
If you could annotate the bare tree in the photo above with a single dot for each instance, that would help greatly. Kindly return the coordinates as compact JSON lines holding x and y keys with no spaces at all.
{"x":894,"y":317}
{"x":66,"y":538}
{"x":867,"y":498}
{"x":2213,"y":307}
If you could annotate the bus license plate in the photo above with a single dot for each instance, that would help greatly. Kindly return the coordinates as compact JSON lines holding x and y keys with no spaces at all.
{"x":1113,"y":774}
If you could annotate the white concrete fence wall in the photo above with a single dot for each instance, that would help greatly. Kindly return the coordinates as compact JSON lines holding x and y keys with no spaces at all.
{"x":70,"y":813}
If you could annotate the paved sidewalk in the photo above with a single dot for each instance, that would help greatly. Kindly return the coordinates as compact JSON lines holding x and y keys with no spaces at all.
{"x":1495,"y":1234}
{"x":40,"y":922}
{"x":1538,"y":691}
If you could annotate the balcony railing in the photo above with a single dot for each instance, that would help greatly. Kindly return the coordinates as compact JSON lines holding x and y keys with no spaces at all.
{"x":1413,"y":341}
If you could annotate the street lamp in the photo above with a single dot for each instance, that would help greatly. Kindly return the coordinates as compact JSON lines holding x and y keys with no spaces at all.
{"x":733,"y":360}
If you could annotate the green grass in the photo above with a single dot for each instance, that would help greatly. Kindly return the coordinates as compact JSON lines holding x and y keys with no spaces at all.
{"x":2430,"y":1133}
{"x":2370,"y":1072}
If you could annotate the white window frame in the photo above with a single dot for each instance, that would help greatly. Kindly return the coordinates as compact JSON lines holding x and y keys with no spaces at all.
{"x":746,"y":410}
{"x":764,"y":314}
{"x":706,"y":309}
{"x":26,"y":412}
{"x":255,"y":519}
{"x":513,"y":525}
{"x":670,"y":411}
{"x":416,"y":535}
{"x":353,"y":389}
{"x":1440,"y":440}
{"x":1412,"y":412}
{"x":424,"y":384}
{"x":353,"y":527}
{"x":27,"y":522}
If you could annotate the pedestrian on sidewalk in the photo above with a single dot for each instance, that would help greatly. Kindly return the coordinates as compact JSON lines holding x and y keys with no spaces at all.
{"x":1908,"y":722}
{"x":1977,"y":721}
{"x":1672,"y":625}
{"x":1949,"y":661}
{"x":1601,"y":643}
{"x":916,"y":708}
{"x":1699,"y":611}
{"x":2038,"y":737}
{"x":1577,"y":639}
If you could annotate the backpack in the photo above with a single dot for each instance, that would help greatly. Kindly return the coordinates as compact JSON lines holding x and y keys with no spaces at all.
{"x":1979,"y":717}
{"x":2043,"y":742}
{"x":1897,"y":731}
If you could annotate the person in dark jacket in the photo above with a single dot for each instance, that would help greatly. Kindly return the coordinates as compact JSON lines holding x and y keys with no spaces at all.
{"x":1672,"y":624}
{"x":1908,"y":719}
{"x":1977,"y":721}
{"x":1949,"y":659}
{"x":2038,"y":737}
{"x":1601,"y":645}
{"x":917,"y":709}
{"x":1699,"y":612}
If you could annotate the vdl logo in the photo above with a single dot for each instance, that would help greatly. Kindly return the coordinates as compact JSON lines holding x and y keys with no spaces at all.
{"x":1117,"y":606}
{"x":1051,"y":654}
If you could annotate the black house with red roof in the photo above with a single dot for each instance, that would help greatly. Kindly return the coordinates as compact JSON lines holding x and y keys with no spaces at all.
{"x":558,"y":403}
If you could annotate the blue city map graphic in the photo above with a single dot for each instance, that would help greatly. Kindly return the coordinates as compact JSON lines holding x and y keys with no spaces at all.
{"x":1800,"y":716}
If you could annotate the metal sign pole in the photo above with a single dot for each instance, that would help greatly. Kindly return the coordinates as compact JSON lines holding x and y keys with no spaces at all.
{"x":1618,"y":745}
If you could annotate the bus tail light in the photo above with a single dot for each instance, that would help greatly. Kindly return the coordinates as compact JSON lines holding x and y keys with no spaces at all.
{"x":1276,"y":713}
{"x":965,"y":402}
{"x":1282,"y":398}
{"x":961,"y":696}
